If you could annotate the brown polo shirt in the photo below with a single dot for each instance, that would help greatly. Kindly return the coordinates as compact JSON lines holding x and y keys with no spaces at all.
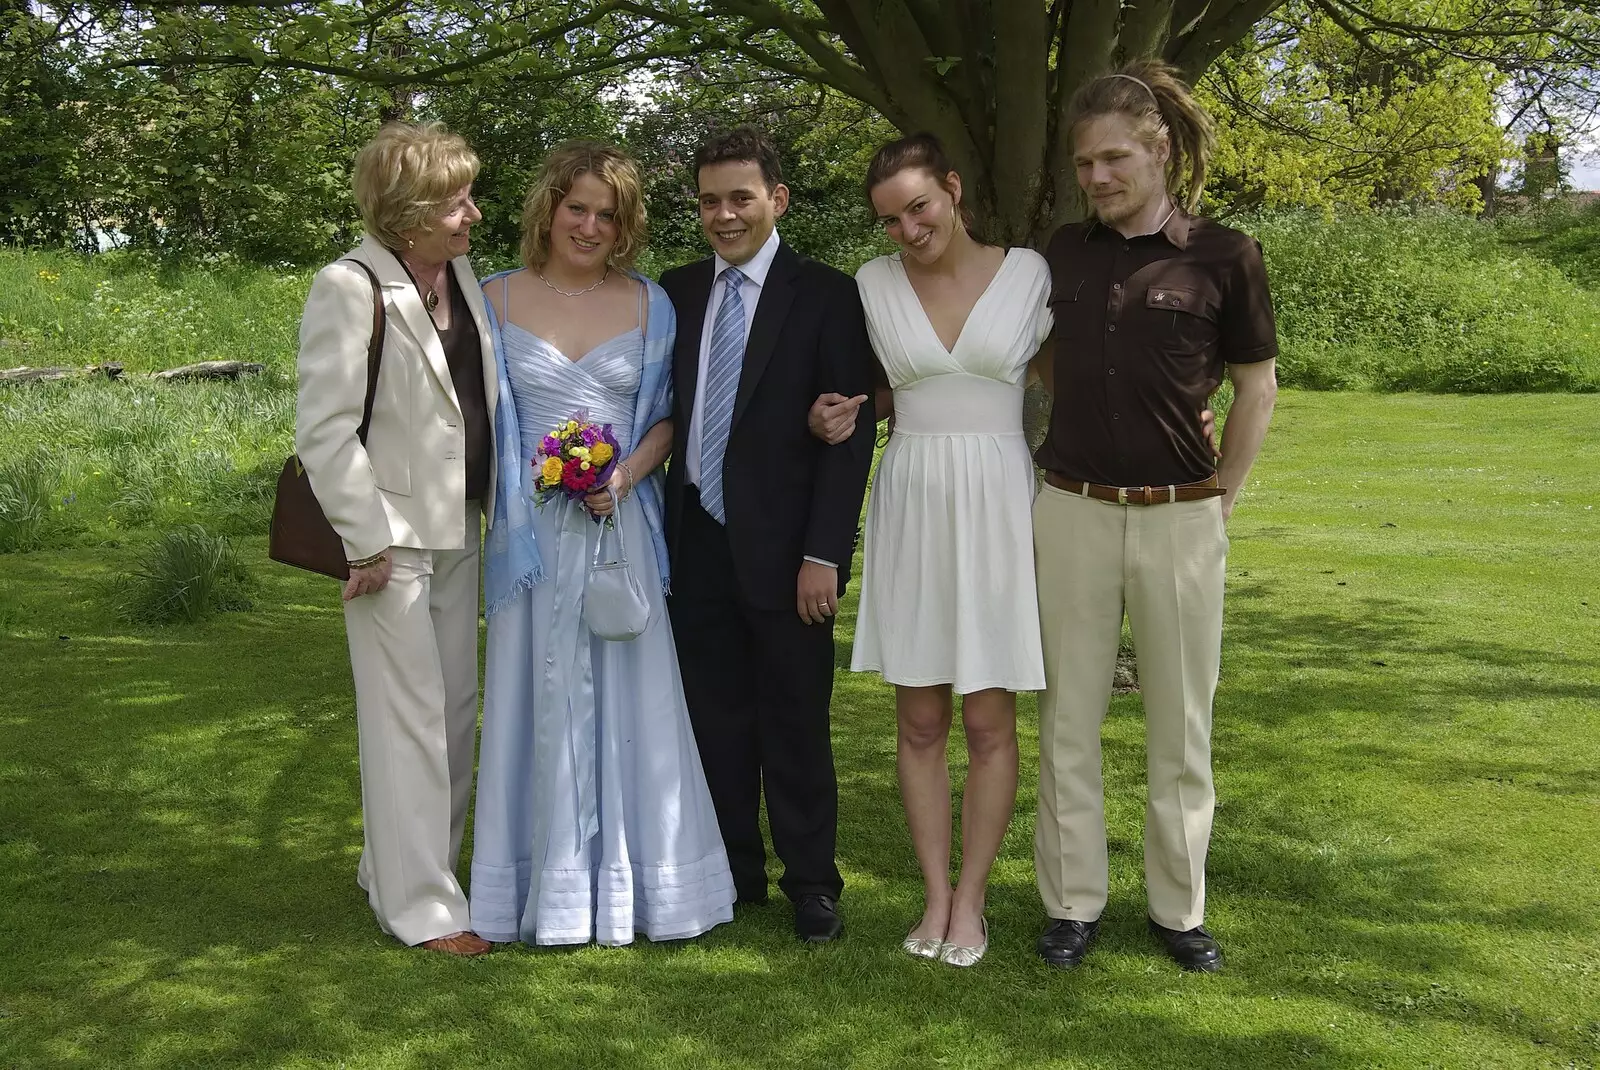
{"x":1143,"y":329}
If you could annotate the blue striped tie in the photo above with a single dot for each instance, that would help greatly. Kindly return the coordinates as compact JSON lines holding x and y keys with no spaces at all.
{"x":723,"y":365}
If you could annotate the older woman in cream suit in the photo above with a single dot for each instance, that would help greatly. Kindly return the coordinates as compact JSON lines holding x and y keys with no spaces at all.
{"x":408,"y":505}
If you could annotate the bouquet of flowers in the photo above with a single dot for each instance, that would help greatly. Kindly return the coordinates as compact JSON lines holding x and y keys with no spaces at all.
{"x":574,"y":460}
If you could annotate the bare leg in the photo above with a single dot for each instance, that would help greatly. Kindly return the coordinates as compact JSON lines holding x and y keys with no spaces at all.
{"x":990,"y":720}
{"x":924,"y":716}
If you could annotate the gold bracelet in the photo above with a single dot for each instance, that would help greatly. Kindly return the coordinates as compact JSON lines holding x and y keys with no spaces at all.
{"x":368,"y":562}
{"x":629,"y":473}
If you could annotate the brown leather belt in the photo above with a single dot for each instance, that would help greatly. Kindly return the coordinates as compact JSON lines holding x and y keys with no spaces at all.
{"x":1172,"y":492}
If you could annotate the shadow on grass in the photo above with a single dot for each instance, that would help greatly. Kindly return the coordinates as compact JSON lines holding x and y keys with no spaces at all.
{"x":181,"y":823}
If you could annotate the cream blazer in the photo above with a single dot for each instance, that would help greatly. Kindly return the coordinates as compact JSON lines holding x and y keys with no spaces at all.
{"x":406,"y":486}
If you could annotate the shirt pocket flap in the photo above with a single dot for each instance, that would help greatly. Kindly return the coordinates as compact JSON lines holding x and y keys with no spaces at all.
{"x":1065,"y":290}
{"x":1177,"y":299}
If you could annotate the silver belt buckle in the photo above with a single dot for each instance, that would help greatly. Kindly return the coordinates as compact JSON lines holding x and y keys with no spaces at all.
{"x":1122,"y":495}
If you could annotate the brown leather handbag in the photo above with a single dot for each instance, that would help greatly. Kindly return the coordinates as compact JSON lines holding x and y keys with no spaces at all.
{"x":301,"y":535}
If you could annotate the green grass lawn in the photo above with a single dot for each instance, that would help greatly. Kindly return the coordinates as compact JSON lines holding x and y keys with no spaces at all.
{"x":1404,"y":872}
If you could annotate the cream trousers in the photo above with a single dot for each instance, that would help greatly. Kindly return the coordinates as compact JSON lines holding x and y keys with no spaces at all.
{"x":414,"y":654}
{"x":1164,"y":565}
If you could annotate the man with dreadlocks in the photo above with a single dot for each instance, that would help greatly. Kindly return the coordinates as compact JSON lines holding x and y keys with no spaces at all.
{"x":1151,"y":303}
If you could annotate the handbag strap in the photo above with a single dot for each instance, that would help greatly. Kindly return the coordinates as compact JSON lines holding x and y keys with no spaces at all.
{"x":374,"y":348}
{"x":615,"y":525}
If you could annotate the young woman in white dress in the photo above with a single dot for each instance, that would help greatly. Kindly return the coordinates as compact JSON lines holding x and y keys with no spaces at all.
{"x":948,"y":603}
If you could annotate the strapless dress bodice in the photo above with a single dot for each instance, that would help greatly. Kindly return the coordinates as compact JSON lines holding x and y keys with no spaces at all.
{"x":548,"y":388}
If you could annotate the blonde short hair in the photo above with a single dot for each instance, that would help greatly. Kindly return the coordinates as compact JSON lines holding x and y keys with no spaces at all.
{"x":407,"y":176}
{"x":554,"y":181}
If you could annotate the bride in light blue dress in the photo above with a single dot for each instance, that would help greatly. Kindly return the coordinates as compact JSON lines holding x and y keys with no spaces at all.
{"x":593,"y":821}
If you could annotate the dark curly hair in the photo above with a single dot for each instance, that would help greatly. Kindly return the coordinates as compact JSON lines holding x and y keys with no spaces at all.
{"x":742,"y":144}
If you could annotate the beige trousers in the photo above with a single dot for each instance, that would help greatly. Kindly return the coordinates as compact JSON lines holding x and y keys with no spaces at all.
{"x":1164,"y":565}
{"x":414,"y":653}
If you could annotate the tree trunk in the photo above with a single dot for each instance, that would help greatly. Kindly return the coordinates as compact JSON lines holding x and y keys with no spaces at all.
{"x":993,"y":79}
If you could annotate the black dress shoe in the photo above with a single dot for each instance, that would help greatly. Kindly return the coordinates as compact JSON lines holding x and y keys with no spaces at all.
{"x":1065,"y":942}
{"x":752,"y":900}
{"x":816,"y":919}
{"x":1193,"y":949}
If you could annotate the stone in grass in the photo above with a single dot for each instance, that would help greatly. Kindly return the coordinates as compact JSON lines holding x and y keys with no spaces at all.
{"x":46,"y":375}
{"x":33,"y":375}
{"x":212,"y":369}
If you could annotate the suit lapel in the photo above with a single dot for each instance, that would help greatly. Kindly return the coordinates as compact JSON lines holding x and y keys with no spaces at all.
{"x":401,"y":295}
{"x":776,"y":296}
{"x":691,"y":325}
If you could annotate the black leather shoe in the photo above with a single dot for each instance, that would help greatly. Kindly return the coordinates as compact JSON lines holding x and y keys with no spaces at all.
{"x":1193,"y":949}
{"x":1065,"y":942}
{"x":816,"y":919}
{"x":752,"y":900}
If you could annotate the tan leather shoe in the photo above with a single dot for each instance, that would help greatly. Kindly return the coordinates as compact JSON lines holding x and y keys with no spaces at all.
{"x":463,"y":943}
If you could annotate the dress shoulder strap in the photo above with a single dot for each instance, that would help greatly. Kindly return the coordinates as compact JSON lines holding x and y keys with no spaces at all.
{"x":644,"y":301}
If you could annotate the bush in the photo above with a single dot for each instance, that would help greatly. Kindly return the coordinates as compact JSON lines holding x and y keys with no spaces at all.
{"x":1422,"y":300}
{"x":186,"y":576}
{"x":27,"y":492}
{"x":1560,"y":232}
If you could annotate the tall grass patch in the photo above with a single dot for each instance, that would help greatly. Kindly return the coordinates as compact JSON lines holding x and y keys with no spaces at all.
{"x":64,"y":309}
{"x":95,"y":460}
{"x":1423,"y":300}
{"x":185,"y":576}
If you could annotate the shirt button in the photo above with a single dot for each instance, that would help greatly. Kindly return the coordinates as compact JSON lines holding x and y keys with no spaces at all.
{"x":1111,"y":371}
{"x":1111,"y":326}
{"x":1116,"y":286}
{"x":1116,"y":416}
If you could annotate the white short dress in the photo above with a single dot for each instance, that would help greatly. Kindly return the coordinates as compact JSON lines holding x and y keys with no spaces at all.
{"x":947,"y":589}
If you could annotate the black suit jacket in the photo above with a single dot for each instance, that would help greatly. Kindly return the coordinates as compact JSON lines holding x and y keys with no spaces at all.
{"x":787,"y":495}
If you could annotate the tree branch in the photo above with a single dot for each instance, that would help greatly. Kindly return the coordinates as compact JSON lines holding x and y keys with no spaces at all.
{"x":1218,"y":31}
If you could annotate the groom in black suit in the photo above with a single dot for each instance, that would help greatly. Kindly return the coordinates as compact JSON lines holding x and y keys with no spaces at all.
{"x":761,"y":521}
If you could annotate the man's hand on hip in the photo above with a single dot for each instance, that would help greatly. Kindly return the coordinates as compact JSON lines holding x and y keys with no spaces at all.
{"x":817,"y":592}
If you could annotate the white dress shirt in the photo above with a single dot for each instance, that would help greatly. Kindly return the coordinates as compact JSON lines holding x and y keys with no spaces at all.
{"x":755,"y":277}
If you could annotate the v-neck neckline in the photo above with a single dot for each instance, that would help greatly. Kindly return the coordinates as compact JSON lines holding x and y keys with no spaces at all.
{"x":916,"y":298}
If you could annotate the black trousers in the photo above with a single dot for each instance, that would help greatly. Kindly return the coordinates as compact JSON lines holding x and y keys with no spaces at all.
{"x":758,"y":683}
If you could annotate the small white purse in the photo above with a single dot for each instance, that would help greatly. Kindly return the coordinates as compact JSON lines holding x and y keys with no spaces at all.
{"x":616,"y":606}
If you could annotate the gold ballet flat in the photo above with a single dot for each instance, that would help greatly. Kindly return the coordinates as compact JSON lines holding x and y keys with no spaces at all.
{"x":960,"y":955}
{"x":923,"y":947}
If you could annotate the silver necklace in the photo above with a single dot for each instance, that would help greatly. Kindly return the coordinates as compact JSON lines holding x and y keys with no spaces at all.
{"x":575,"y":293}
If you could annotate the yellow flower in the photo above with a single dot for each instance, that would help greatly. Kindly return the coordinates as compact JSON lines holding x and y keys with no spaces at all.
{"x":583,"y":466}
{"x":600,"y":453}
{"x":551,"y":473}
{"x":581,"y":451}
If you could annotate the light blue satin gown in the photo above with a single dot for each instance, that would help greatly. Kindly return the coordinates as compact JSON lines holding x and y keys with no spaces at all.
{"x":593,"y":821}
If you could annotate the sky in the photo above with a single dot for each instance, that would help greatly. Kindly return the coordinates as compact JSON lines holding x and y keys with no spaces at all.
{"x":1586,"y":172}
